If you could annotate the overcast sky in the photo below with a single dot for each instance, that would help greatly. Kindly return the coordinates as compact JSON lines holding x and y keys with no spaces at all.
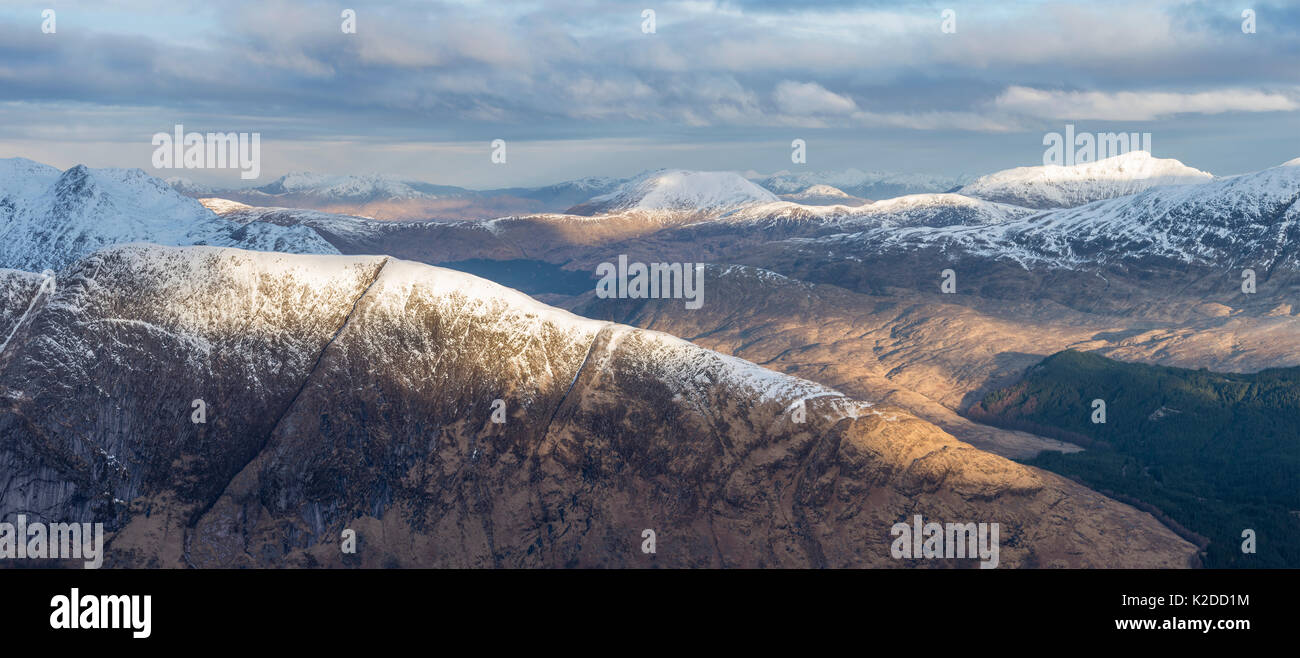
{"x":576,"y":88}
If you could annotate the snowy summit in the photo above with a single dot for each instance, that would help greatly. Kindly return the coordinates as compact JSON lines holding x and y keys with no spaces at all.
{"x":1056,"y":186}
{"x":679,"y":190}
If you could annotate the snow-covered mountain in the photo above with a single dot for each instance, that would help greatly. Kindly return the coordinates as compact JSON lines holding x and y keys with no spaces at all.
{"x":1055,"y":186}
{"x":933,"y":210}
{"x":391,"y":198}
{"x":324,"y":223}
{"x":22,"y":179}
{"x":360,"y":392}
{"x":824,"y":195}
{"x":1251,"y":220}
{"x":370,"y":187}
{"x":936,"y":210}
{"x":861,"y":184}
{"x":1248,"y":220}
{"x":327,"y":188}
{"x":679,"y":190}
{"x":49,"y":219}
{"x":188,"y":187}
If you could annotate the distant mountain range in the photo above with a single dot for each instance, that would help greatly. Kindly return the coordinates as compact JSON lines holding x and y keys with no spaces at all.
{"x":386,"y":197}
{"x":1037,"y":187}
{"x":52,"y":218}
{"x":861,"y":184}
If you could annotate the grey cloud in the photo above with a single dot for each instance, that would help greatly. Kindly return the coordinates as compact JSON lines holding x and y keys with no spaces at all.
{"x":738,"y":70}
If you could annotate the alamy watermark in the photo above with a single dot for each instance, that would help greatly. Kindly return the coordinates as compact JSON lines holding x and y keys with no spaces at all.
{"x":653,"y":281}
{"x":53,"y":541}
{"x":103,"y":611}
{"x":946,"y":540}
{"x":194,"y":150}
{"x":1071,"y":148}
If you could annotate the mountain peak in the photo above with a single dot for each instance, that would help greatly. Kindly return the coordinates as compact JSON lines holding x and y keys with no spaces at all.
{"x":679,"y":190}
{"x":50,"y":220}
{"x":1065,"y":186}
{"x":822,"y":190}
{"x":20,"y":177}
{"x":354,"y":187}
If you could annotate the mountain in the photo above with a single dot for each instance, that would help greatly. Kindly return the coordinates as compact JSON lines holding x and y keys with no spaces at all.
{"x":1218,"y":228}
{"x":1055,"y":186}
{"x":1239,"y":221}
{"x":22,"y":179}
{"x":50,"y":219}
{"x":678,"y":190}
{"x":873,"y":321}
{"x":393,"y":199}
{"x":308,"y":187}
{"x":861,"y":184}
{"x":430,"y":241}
{"x":356,"y":189}
{"x":557,"y":197}
{"x":915,"y":210}
{"x":823,"y":195}
{"x":357,"y":392}
{"x":188,"y":187}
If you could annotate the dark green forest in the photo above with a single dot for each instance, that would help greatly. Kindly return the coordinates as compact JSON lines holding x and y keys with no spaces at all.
{"x":1215,"y":453}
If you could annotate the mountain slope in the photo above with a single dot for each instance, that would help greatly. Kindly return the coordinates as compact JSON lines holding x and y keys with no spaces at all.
{"x":357,"y":392}
{"x":1218,"y":452}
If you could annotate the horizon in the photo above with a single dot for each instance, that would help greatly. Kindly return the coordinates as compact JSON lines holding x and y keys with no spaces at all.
{"x":586,"y":88}
{"x":750,"y":175}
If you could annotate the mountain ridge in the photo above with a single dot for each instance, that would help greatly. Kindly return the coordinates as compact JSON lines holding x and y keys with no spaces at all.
{"x":372,"y":411}
{"x":49,"y":221}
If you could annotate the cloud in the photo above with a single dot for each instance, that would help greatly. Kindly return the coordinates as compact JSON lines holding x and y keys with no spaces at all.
{"x":734,"y":71}
{"x":1137,"y":105}
{"x":962,"y":121}
{"x":810,"y":98}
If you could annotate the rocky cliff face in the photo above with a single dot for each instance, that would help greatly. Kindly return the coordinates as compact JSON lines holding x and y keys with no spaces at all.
{"x":359,"y":393}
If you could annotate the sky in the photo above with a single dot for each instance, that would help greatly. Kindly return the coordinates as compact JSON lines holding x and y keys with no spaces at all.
{"x":582,"y":88}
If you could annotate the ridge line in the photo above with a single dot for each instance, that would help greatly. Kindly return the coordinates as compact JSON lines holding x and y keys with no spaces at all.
{"x":287,"y":408}
{"x":576,"y":375}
